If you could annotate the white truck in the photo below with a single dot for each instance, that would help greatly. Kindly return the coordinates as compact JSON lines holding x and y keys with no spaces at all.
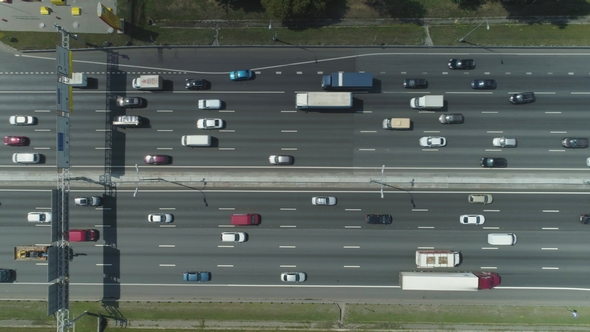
{"x":428,"y":102}
{"x":78,"y":80}
{"x":396,"y":123}
{"x":437,"y":258}
{"x":148,"y":82}
{"x":195,"y":140}
{"x":323,"y":100}
{"x":448,"y":281}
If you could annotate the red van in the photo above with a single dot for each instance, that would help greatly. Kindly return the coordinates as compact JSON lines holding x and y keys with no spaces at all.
{"x":82,"y":235}
{"x":245,"y":219}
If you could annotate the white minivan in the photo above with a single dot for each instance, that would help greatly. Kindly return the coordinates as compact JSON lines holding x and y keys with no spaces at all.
{"x":502,"y":239}
{"x":26,"y":158}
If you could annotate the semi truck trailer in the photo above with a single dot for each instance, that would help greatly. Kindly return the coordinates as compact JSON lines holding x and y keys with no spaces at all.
{"x":347,"y":81}
{"x":448,"y":281}
{"x":323,"y":100}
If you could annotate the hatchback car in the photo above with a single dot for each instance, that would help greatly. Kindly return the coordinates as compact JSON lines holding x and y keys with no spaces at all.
{"x":433,"y":142}
{"x":504,"y":142}
{"x":16,"y":140}
{"x":293,"y":276}
{"x":324,"y":200}
{"x":241,"y":75}
{"x":522,"y":98}
{"x":196,"y":276}
{"x":461,"y":64}
{"x":480,"y":199}
{"x":472,"y":219}
{"x":493,"y":162}
{"x":483,"y":84}
{"x":575,"y":142}
{"x":40,"y":217}
{"x":585,"y":219}
{"x":280,"y":159}
{"x":415,"y":83}
{"x":210,"y":124}
{"x":157,"y":159}
{"x":234,"y":237}
{"x":384,"y":219}
{"x":451,"y":118}
{"x":193,"y":84}
{"x":21,"y":120}
{"x":160,"y":217}
{"x":88,"y":201}
{"x":131,"y":102}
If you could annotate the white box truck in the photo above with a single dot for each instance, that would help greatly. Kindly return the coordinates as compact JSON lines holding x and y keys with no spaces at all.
{"x":148,"y":82}
{"x":323,"y":100}
{"x":437,"y":258}
{"x":396,"y":123}
{"x":78,"y":80}
{"x":427,"y":102}
{"x":196,"y":140}
{"x":448,"y":281}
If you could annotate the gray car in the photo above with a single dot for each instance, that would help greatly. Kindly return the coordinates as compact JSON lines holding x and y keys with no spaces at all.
{"x":280,"y":159}
{"x":451,"y":118}
{"x":324,"y":200}
{"x":504,"y":142}
{"x":575,"y":142}
{"x":88,"y":201}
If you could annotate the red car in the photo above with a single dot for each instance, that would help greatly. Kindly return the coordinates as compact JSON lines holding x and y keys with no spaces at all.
{"x":16,"y":140}
{"x":157,"y":159}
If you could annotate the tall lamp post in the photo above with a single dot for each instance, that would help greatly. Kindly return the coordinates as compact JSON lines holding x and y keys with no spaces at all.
{"x":462,"y":40}
{"x":274,"y":38}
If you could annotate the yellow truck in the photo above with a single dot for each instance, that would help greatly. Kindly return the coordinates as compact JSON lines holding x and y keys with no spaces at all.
{"x":30,"y":253}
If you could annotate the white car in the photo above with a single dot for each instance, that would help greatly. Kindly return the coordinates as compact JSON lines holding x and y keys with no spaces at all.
{"x":88,"y":201}
{"x":324,"y":200}
{"x":293,"y":276}
{"x":160,"y":217}
{"x":588,"y":162}
{"x":280,"y":159}
{"x":234,"y":237}
{"x":40,"y":217}
{"x":21,"y":120}
{"x":433,"y":142}
{"x":209,"y":104}
{"x":504,"y":142}
{"x":210,"y":123}
{"x":472,"y":219}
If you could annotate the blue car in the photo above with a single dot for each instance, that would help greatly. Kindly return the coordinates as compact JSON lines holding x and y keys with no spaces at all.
{"x":196,"y":276}
{"x":241,"y":75}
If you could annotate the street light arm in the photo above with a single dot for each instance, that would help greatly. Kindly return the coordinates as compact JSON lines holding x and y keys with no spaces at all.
{"x":462,"y":40}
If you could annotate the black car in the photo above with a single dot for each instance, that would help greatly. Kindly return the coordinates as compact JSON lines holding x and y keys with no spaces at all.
{"x":193,"y":84}
{"x":415,"y":83}
{"x":130,"y":102}
{"x":522,"y":98}
{"x":575,"y":142}
{"x":384,"y":219}
{"x":451,"y":118}
{"x":461,"y":64}
{"x":585,"y":219}
{"x":483,"y":84}
{"x":494,"y":162}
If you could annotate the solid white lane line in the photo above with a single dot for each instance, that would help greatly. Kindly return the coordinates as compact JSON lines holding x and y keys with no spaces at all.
{"x":287,"y":247}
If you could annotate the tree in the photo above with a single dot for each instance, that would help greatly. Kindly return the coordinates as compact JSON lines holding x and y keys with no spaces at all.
{"x":295,"y":9}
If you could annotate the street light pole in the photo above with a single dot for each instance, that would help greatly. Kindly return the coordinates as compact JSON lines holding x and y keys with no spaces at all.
{"x":138,"y":180}
{"x":274,"y":38}
{"x":462,"y":40}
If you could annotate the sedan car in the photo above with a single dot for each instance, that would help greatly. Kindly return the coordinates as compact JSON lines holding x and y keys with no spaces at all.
{"x":483,"y":84}
{"x":234,"y":237}
{"x":415,"y":83}
{"x":157,"y":159}
{"x":522,"y":98}
{"x":21,"y":120}
{"x":575,"y":142}
{"x":451,"y":118}
{"x":461,"y":64}
{"x":493,"y":162}
{"x":384,"y":219}
{"x":293,"y":276}
{"x":196,"y":276}
{"x":210,"y":123}
{"x":131,"y":102}
{"x":504,"y":142}
{"x":280,"y":159}
{"x":433,"y":141}
{"x":585,"y":219}
{"x":193,"y":84}
{"x":472,"y":219}
{"x":241,"y":75}
{"x":160,"y":217}
{"x":480,"y":199}
{"x":88,"y":201}
{"x":40,"y":217}
{"x":16,"y":140}
{"x":324,"y":200}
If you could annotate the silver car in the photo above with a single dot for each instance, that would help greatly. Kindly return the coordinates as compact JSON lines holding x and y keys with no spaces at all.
{"x":88,"y":201}
{"x":234,"y":237}
{"x":21,"y":120}
{"x":40,"y":217}
{"x":480,"y":198}
{"x":293,"y":276}
{"x":504,"y":142}
{"x":280,"y":159}
{"x":210,"y":123}
{"x":472,"y":219}
{"x":160,"y":217}
{"x":324,"y":200}
{"x":433,"y":142}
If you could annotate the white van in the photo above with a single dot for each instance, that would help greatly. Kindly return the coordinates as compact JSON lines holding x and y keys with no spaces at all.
{"x":26,"y":158}
{"x":127,"y":121}
{"x":502,"y":239}
{"x":196,"y":140}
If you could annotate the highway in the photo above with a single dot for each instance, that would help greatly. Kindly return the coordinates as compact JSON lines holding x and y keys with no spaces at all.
{"x":332,"y":245}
